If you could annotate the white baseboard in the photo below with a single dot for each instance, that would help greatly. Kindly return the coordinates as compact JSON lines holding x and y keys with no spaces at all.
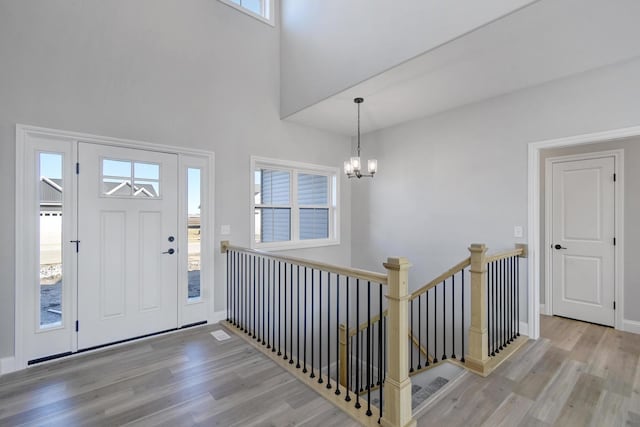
{"x":218,"y":316}
{"x":631,"y":326}
{"x":543,"y":309}
{"x":524,"y":328}
{"x":7,"y":364}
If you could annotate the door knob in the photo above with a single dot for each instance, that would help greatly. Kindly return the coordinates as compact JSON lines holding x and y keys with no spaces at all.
{"x":557,"y":246}
{"x":171,"y":251}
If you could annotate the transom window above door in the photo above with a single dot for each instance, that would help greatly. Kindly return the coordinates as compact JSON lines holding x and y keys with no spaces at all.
{"x":125,"y":178}
{"x":294,"y":204}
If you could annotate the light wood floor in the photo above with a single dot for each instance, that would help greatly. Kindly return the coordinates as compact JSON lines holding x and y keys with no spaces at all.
{"x":183,"y":379}
{"x":576,"y":374}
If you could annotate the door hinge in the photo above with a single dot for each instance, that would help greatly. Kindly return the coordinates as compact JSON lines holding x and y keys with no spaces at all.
{"x":614,"y":305}
{"x":78,"y":169}
{"x":77,"y":325}
{"x":614,"y":177}
{"x":614,"y":241}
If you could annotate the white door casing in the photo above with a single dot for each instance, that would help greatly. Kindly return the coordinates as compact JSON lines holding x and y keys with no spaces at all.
{"x":582,"y":254}
{"x":33,"y":342}
{"x":126,"y":279}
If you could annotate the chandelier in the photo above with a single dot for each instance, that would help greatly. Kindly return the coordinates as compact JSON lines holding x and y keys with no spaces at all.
{"x":352,"y":167}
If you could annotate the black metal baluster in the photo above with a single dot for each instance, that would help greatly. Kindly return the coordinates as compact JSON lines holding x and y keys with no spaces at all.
{"x":228,"y":284}
{"x":496,"y":300}
{"x":463,"y":329}
{"x":510,"y":264}
{"x":490,"y":310}
{"x":280,"y":308}
{"x":358,"y":365}
{"x":236,"y":315}
{"x":348,"y":338}
{"x":426,"y":315}
{"x":304,"y":348}
{"x":411,"y":339}
{"x":361,"y":335}
{"x":419,"y":331}
{"x":264,"y":297}
{"x":444,"y":320}
{"x":290,"y":314}
{"x":285,"y":357}
{"x":268,"y":306}
{"x":384,"y":350}
{"x":502,"y":306}
{"x":435,"y":325}
{"x":453,"y":316}
{"x":313,"y":316}
{"x":369,"y":350}
{"x":328,"y":329}
{"x":298,"y":315}
{"x":337,"y":334}
{"x":255,"y":288}
{"x":380,"y":339}
{"x":273,"y":308}
{"x":518,"y":295}
{"x":243,"y":293}
{"x":320,"y":380}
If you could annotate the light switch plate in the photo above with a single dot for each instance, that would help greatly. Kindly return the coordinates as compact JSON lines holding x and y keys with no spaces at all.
{"x":225,"y":230}
{"x":518,"y":231}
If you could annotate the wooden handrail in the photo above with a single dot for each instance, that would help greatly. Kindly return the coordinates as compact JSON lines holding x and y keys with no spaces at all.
{"x":450,"y":272}
{"x":363,"y":326}
{"x":345,"y":271}
{"x":503,"y":255}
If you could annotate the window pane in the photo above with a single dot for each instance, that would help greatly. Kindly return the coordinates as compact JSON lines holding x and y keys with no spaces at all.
{"x":253,"y":5}
{"x":314,"y":224}
{"x":257,"y":187}
{"x":116,"y":187}
{"x":149,"y":189}
{"x":275,"y":224}
{"x":116,"y":168}
{"x":275,"y":186}
{"x":193,"y":231}
{"x":50,"y":240}
{"x":146,"y":171}
{"x":313,"y":189}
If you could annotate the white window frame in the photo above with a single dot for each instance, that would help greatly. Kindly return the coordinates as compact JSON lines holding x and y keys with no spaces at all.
{"x":267,"y":6}
{"x":295,"y":168}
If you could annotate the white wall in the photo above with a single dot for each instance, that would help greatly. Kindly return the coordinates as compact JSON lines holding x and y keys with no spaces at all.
{"x":461,"y":177}
{"x":330,"y":45}
{"x":631,"y":214}
{"x":193,"y":73}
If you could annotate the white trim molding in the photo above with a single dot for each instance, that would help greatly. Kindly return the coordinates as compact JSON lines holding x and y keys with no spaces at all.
{"x":205,"y":160}
{"x":632,"y":326}
{"x":534,"y":208}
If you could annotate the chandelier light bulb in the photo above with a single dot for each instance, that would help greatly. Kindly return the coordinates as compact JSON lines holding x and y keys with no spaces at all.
{"x":355,"y":163}
{"x":373,"y":166}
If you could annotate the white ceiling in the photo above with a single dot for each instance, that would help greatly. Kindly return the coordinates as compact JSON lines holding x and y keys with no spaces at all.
{"x":546,"y":41}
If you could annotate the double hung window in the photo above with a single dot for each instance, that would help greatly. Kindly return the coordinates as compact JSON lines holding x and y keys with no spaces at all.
{"x":294,"y":205}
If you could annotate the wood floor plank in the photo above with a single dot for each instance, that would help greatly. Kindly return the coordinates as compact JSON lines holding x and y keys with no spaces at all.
{"x":580,"y":406}
{"x":511,"y":412}
{"x":552,"y":399}
{"x":542,"y":372}
{"x":591,"y":336}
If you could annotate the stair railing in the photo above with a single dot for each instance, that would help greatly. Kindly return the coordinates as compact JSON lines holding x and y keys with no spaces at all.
{"x":298,"y":312}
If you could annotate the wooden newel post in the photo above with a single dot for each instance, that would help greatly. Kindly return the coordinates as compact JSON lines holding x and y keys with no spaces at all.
{"x":343,"y":354}
{"x":478,"y":358}
{"x":397,"y":386}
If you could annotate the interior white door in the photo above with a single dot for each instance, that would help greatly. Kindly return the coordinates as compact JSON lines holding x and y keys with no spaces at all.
{"x":582,"y":262}
{"x":127,"y":262}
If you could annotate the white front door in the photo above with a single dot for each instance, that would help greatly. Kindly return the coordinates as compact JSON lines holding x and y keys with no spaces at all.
{"x":582,"y":245}
{"x":127,"y":228}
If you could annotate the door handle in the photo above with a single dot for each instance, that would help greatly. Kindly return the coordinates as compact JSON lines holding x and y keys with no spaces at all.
{"x":557,"y":246}
{"x":171,"y":251}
